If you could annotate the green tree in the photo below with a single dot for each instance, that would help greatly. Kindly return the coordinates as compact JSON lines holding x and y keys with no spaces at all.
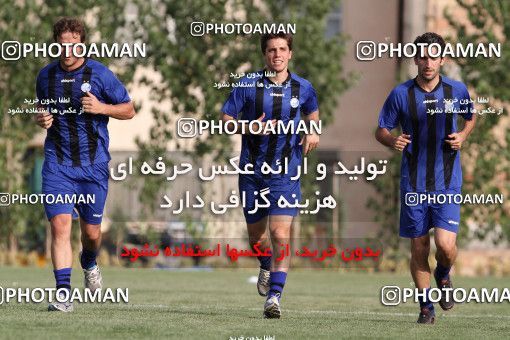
{"x":386,"y":207}
{"x":485,"y":157}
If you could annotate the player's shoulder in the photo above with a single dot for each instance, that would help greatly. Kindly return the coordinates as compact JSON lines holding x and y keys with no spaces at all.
{"x":98,"y":67}
{"x":455,"y":84}
{"x":401,"y":90}
{"x":302,"y":81}
{"x":44,"y":71}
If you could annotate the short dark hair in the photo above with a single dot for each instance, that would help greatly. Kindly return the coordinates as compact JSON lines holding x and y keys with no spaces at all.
{"x":68,"y":24}
{"x":268,"y":36}
{"x":430,"y":38}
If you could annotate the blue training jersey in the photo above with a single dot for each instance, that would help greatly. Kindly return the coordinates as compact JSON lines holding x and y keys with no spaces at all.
{"x":285,"y":102}
{"x":77,"y":138}
{"x":428,"y":162}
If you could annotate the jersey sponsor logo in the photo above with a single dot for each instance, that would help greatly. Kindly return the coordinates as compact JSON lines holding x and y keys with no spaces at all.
{"x":68,"y":80}
{"x":453,"y":222}
{"x":97,"y":215}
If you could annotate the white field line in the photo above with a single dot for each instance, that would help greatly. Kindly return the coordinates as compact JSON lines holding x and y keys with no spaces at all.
{"x":438,"y":312}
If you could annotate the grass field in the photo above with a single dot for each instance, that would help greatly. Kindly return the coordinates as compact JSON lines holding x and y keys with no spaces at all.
{"x":223,"y":304}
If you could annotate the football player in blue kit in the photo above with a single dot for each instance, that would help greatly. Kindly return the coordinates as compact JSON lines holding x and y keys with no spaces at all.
{"x":426,"y":108}
{"x":76,"y":150}
{"x":279,"y":96}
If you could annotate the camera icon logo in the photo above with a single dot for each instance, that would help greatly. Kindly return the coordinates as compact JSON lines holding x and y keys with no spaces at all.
{"x":187,"y":127}
{"x":5,"y":199}
{"x":365,"y":50}
{"x":390,"y":295}
{"x":411,"y":199}
{"x":197,"y":29}
{"x":11,"y":50}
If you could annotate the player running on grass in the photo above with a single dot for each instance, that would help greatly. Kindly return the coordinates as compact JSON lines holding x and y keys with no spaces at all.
{"x":430,"y":143}
{"x":282,"y":96}
{"x":76,"y":151}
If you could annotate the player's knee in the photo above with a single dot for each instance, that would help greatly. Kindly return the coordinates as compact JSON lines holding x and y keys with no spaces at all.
{"x":281,"y":237}
{"x":255,"y":236}
{"x":447,"y":248}
{"x":420,"y":245}
{"x":420,"y":251}
{"x":61,"y":227}
{"x":254,"y":240}
{"x":92,"y":234}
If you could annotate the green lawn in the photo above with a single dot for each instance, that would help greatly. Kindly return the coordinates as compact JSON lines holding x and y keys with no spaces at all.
{"x":222,"y":304}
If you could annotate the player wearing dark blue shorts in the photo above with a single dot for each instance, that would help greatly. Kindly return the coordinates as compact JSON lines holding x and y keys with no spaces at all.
{"x":79,"y":95}
{"x":426,"y":108}
{"x":281,"y":96}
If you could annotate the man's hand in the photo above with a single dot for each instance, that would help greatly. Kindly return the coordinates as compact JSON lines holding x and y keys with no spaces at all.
{"x":456,"y":140}
{"x":92,"y":105}
{"x":309,"y":142}
{"x":400,"y":142}
{"x":44,"y":119}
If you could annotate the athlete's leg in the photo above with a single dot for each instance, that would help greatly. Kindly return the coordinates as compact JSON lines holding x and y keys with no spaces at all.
{"x":256,"y":220}
{"x":280,"y":229}
{"x":445,"y":255}
{"x":257,"y":233}
{"x":91,"y":242}
{"x":93,"y":180}
{"x":446,"y":247}
{"x":415,"y":225}
{"x":446,"y":220}
{"x":61,"y":252}
{"x":420,"y":269}
{"x":58,"y":180}
{"x":62,"y":258}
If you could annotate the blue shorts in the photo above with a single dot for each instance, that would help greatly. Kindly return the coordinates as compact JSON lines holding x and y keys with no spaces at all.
{"x":417,"y":216}
{"x":279,"y":186}
{"x":67,"y":180}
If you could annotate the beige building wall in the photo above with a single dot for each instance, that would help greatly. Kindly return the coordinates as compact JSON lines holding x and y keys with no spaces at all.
{"x":352,"y":132}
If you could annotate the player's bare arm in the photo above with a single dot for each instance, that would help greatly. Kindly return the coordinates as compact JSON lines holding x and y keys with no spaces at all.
{"x":225,"y":117}
{"x":121,"y":111}
{"x":310,"y":141}
{"x":385,"y":137}
{"x":44,"y":119}
{"x":457,"y":138}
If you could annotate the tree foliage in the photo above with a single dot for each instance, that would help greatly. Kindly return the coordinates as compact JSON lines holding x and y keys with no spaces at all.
{"x":486,"y":156}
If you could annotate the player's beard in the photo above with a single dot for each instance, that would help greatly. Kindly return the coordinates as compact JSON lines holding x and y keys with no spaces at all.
{"x":428,"y":76}
{"x":70,"y":63}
